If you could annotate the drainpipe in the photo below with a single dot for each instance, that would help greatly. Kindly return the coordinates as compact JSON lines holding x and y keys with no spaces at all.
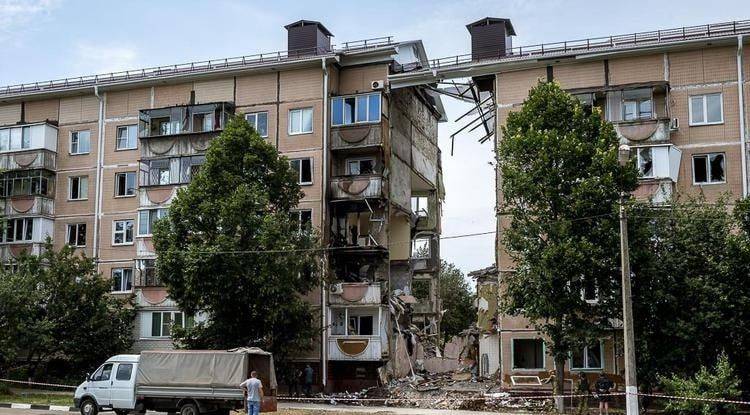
{"x":740,"y":90}
{"x":99,"y":163}
{"x":324,"y":226}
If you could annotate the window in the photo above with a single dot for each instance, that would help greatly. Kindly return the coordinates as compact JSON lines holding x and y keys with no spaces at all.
{"x":706,"y":109}
{"x":78,"y":188}
{"x":189,"y":167}
{"x":17,"y":230}
{"x":25,"y":137}
{"x":303,"y":167}
{"x":360,"y":326}
{"x":355,"y":167}
{"x":103,"y":374}
{"x":147,"y":218}
{"x":127,"y":137}
{"x":163,"y":321}
{"x":636,"y":104}
{"x":303,"y":219}
{"x":203,"y":122}
{"x":125,"y":184}
{"x":528,"y":354}
{"x":259,"y":121}
{"x":420,"y":206}
{"x":590,"y":357}
{"x":590,"y":291}
{"x":76,"y":234}
{"x":122,"y":232}
{"x":708,"y":168}
{"x":645,"y":162}
{"x":124,"y":371}
{"x":147,"y":269}
{"x":355,"y":109}
{"x":420,"y":248}
{"x":27,"y":183}
{"x":80,"y":142}
{"x":122,"y":279}
{"x":301,"y":121}
{"x":159,"y":172}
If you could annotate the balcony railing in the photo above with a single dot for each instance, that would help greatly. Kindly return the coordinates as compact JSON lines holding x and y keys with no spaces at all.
{"x":356,"y":187}
{"x":28,"y":159}
{"x":356,"y":348}
{"x":358,"y":136}
{"x":184,"y":119}
{"x":28,"y":206}
{"x":10,"y":252}
{"x":355,"y":293}
{"x":653,"y":130}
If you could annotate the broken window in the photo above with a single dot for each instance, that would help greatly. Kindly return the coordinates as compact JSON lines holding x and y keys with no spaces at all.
{"x":80,"y":142}
{"x":419,"y":206}
{"x":355,"y":167}
{"x":148,"y":273}
{"x":706,"y":109}
{"x":420,"y":248}
{"x":122,"y":279}
{"x":589,"y":357}
{"x":590,"y":291}
{"x":203,"y":122}
{"x":147,"y":218}
{"x":355,"y":109}
{"x":76,"y":234}
{"x":163,"y":321}
{"x":360,"y":326}
{"x":338,"y":319}
{"x":78,"y":188}
{"x":303,"y":218}
{"x":420,"y":289}
{"x":637,"y":104}
{"x":645,"y":162}
{"x":21,"y":229}
{"x":303,"y":167}
{"x":125,"y":184}
{"x":528,"y":353}
{"x":708,"y":168}
{"x":585,"y":98}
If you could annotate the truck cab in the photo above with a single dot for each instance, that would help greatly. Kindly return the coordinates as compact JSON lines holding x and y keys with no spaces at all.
{"x":110,"y":387}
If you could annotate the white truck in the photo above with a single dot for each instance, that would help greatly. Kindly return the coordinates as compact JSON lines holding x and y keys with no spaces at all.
{"x":191,"y":382}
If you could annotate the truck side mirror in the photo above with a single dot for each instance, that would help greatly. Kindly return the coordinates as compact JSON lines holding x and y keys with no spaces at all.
{"x":88,"y":377}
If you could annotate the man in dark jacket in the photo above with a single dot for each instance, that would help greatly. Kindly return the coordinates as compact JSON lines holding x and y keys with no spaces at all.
{"x":603,"y":387}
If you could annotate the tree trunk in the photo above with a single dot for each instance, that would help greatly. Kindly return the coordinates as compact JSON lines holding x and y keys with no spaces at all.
{"x":557,"y":387}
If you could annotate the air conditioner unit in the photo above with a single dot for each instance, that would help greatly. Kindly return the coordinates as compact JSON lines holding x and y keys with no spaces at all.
{"x":337,"y":289}
{"x":674,"y":124}
{"x":378,"y":84}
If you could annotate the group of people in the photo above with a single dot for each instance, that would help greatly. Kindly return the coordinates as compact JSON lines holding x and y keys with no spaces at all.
{"x":602,"y":392}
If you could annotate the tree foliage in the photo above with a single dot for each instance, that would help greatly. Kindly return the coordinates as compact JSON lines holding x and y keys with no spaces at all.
{"x":230,"y":249}
{"x":56,"y":307}
{"x":457,"y":301}
{"x":691,"y":297}
{"x":561,"y":182}
{"x":719,"y":383}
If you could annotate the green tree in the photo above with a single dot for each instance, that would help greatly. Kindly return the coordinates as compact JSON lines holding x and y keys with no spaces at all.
{"x":720,"y":383}
{"x":230,"y":249}
{"x":561,"y":182}
{"x":457,"y":300}
{"x":57,"y":307}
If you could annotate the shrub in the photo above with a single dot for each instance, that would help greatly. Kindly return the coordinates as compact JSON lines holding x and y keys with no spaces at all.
{"x":719,"y":383}
{"x":4,"y":389}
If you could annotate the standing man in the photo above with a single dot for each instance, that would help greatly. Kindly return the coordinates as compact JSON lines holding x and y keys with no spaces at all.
{"x":254,"y":390}
{"x":308,"y":380}
{"x":603,"y":386}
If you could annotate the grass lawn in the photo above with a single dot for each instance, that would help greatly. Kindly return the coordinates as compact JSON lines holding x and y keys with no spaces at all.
{"x":38,"y":398}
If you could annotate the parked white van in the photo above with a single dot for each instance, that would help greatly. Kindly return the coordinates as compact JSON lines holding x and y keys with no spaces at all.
{"x":191,"y":382}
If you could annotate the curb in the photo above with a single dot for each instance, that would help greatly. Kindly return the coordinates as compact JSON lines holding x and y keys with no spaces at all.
{"x":58,"y":408}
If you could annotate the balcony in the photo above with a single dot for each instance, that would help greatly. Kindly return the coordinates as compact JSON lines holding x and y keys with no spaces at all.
{"x":355,"y":137}
{"x":355,"y":293}
{"x":355,"y":348}
{"x":169,"y":171}
{"x":423,"y":307}
{"x":184,"y":119}
{"x":28,"y":159}
{"x":28,"y":206}
{"x":10,"y":252}
{"x":25,"y":183}
{"x":357,"y":187}
{"x":645,"y":130}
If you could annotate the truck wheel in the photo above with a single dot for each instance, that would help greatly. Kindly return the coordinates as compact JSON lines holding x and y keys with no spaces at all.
{"x":189,"y":409}
{"x":88,"y":407}
{"x":121,"y":412}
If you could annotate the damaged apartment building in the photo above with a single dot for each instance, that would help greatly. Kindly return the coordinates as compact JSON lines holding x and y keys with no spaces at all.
{"x":94,"y":161}
{"x":679,"y":99}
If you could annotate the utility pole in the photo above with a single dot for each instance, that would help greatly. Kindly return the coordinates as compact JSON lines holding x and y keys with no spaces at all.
{"x":631,"y":383}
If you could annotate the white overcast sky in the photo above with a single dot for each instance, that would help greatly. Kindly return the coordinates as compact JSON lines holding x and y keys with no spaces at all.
{"x":49,"y":39}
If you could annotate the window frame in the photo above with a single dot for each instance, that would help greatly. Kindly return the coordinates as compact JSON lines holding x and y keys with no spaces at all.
{"x":25,"y":228}
{"x":297,"y":213}
{"x":708,"y":168}
{"x":301,"y":112}
{"x":638,"y":161}
{"x":117,"y":183}
{"x":254,"y":124}
{"x":76,"y":226}
{"x":312,"y":170}
{"x":165,"y":211}
{"x":360,"y":160}
{"x":356,"y":105}
{"x":78,"y":143}
{"x":127,"y":129}
{"x":123,"y":232}
{"x":161,"y":323}
{"x":122,"y":270}
{"x":414,"y":240}
{"x":704,"y":99}
{"x":130,"y":371}
{"x":70,"y":188}
{"x":586,"y":366}
{"x":513,"y":355}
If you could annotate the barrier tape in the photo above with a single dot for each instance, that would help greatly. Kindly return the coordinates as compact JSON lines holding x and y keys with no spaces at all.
{"x":685,"y":398}
{"x":476,"y":398}
{"x":25,"y":382}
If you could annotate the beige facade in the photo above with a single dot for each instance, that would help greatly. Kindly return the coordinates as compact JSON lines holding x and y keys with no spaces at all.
{"x":118,"y":152}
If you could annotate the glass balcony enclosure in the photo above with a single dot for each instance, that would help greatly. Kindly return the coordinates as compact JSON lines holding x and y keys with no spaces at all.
{"x":186,"y":119}
{"x":27,"y":183}
{"x":28,"y":137}
{"x":169,"y":171}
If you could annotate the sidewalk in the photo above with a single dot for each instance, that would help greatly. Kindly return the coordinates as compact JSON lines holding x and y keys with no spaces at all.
{"x":385,"y":409}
